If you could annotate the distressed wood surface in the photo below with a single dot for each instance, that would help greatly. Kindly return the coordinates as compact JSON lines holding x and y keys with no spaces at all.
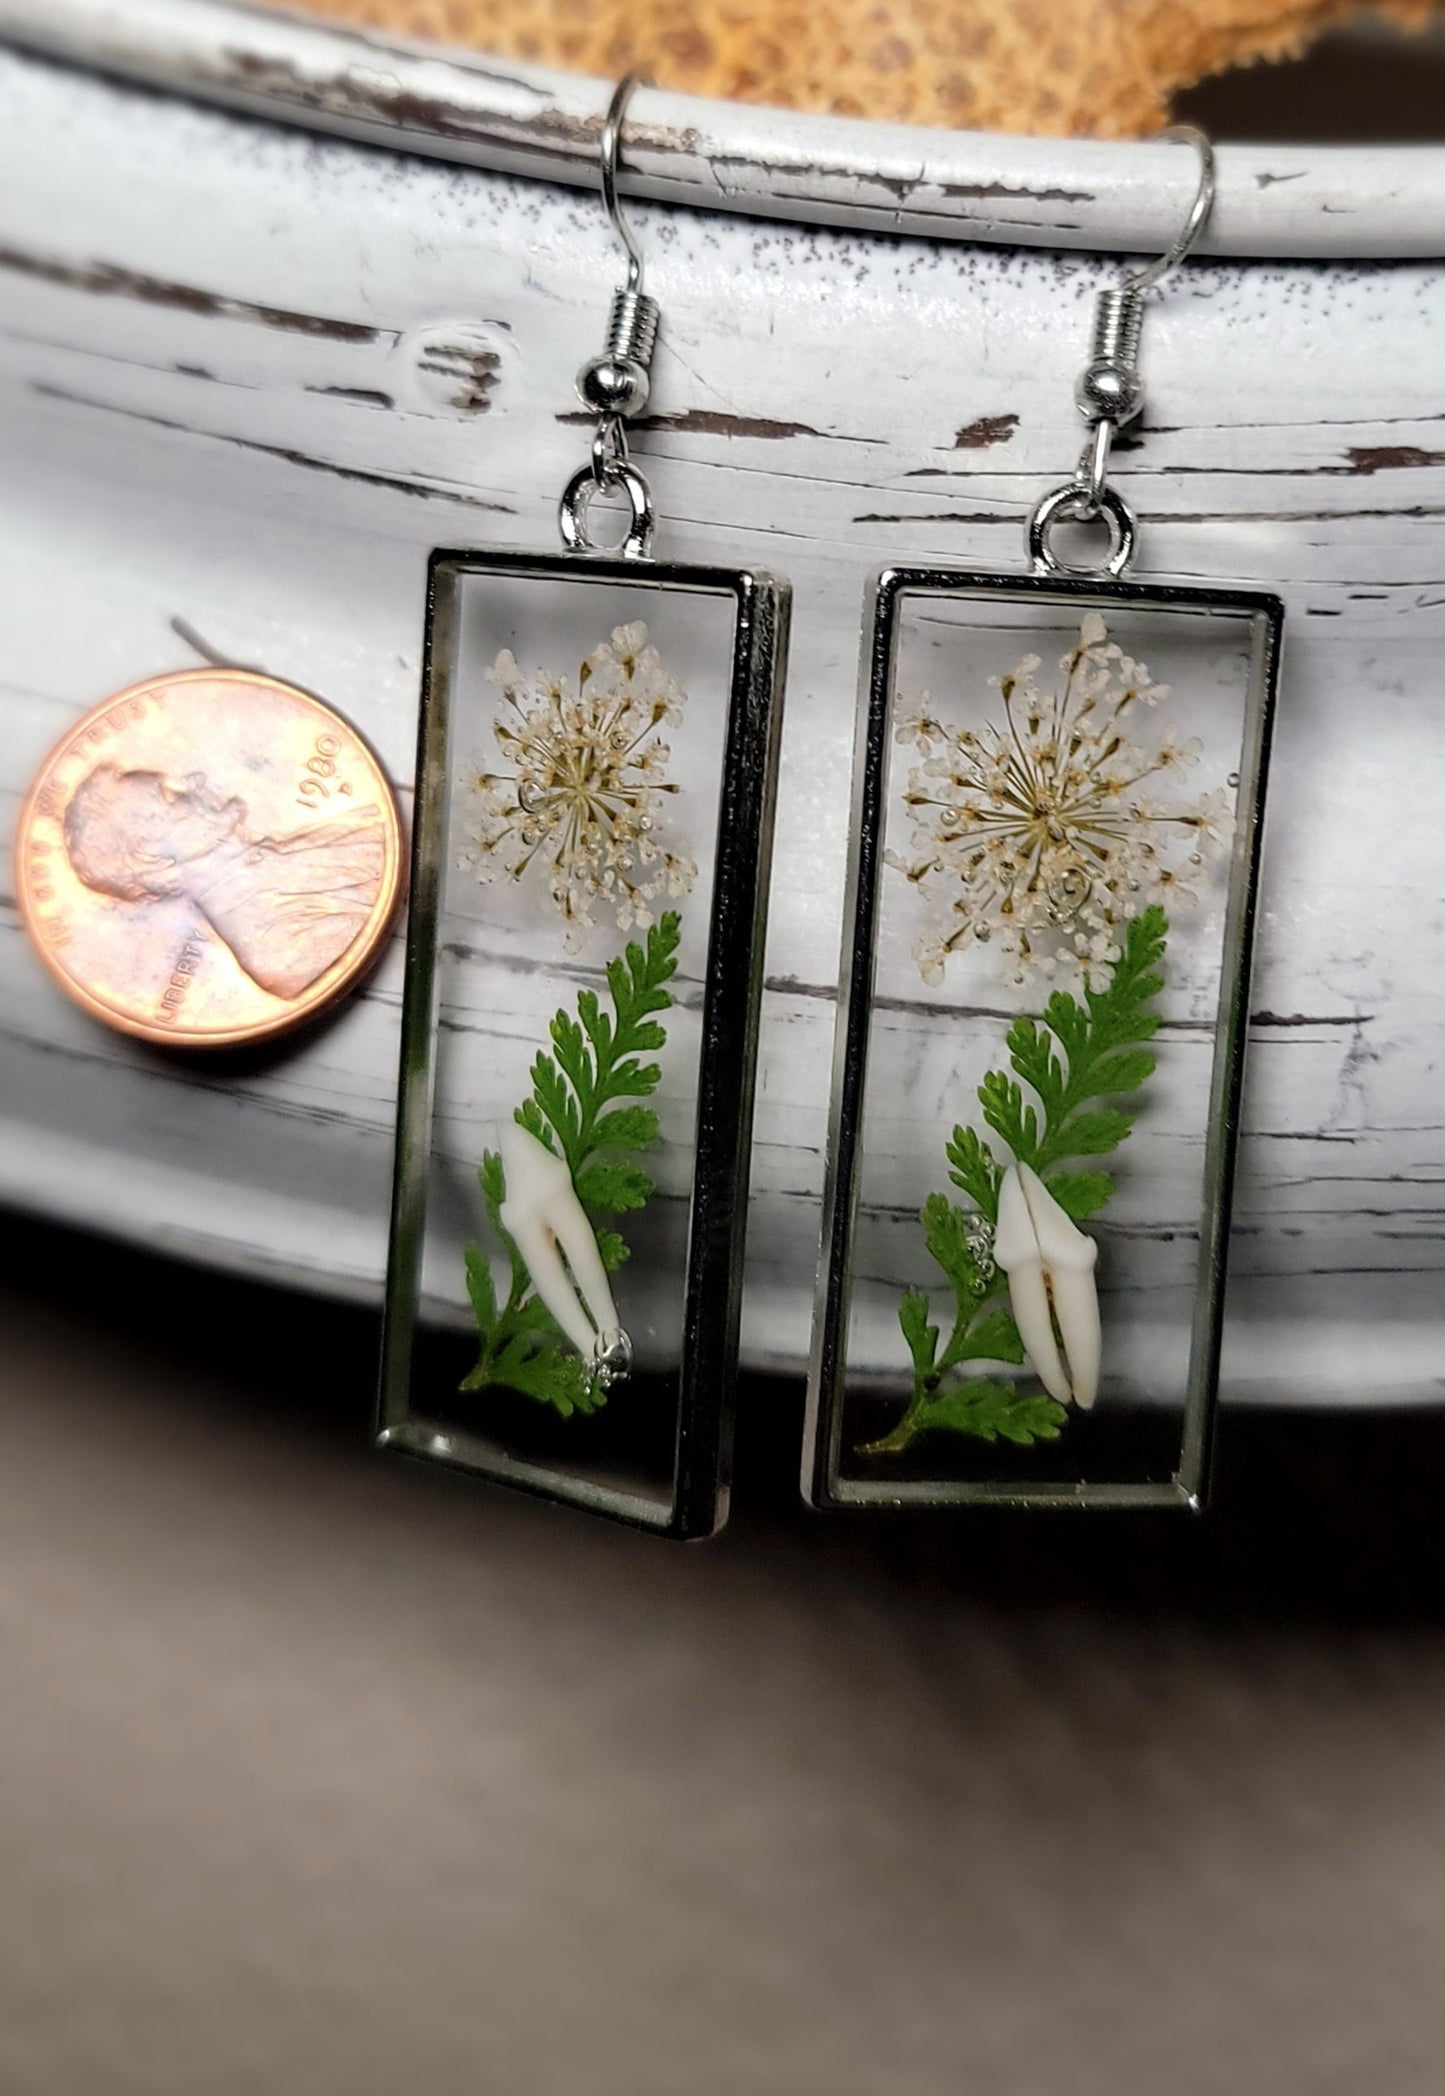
{"x":681,"y":149}
{"x":251,"y":376}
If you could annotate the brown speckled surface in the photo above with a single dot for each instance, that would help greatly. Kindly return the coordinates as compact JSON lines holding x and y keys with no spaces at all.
{"x":1068,"y":68}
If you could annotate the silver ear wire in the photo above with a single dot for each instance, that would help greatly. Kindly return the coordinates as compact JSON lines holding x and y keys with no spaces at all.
{"x":1199,"y":210}
{"x":610,"y":145}
{"x":616,"y":384}
{"x":1109,"y":393}
{"x":1109,"y":389}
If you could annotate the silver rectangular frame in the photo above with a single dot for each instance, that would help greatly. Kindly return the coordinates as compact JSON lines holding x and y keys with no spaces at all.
{"x":717,"y":1217}
{"x":823,"y":1481}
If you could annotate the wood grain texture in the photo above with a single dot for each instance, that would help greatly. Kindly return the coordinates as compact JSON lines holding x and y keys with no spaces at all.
{"x":250,"y":377}
{"x":885,"y":178}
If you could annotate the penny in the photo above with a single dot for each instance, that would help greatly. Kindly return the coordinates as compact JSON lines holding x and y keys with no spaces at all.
{"x":209,"y":857}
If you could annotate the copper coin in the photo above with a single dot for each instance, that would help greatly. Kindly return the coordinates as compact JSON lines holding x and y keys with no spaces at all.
{"x":209,"y":857}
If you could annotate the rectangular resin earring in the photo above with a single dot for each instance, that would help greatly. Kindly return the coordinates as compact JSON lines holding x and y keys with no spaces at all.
{"x":593,"y":825}
{"x":1059,"y":791}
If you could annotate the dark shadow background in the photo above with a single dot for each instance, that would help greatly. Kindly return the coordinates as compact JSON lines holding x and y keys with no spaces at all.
{"x":324,"y":1772}
{"x":1359,"y":86}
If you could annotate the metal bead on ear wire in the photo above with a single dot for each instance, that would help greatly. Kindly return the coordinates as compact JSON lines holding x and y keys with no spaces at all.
{"x":612,"y":386}
{"x":619,"y":381}
{"x":1109,"y":389}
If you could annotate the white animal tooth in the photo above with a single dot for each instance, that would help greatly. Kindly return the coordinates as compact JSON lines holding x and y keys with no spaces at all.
{"x":542,"y":1213}
{"x":1017,"y":1250}
{"x":1050,"y":1262}
{"x":1070,"y":1255}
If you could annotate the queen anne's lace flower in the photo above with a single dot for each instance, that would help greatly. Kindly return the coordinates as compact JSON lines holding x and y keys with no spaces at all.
{"x":1042,"y":832}
{"x":588,"y":780}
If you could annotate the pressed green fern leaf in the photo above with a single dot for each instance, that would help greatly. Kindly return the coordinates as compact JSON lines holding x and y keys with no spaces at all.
{"x":596,"y":1061}
{"x":987,"y":1410}
{"x":1049,"y":1108}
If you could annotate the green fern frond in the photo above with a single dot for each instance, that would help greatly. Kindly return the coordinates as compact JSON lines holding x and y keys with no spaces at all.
{"x":1046,"y":1109}
{"x":594,"y":1062}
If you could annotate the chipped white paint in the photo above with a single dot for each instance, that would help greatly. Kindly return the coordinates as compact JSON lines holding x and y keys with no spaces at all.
{"x":886,"y":178}
{"x":249,"y":376}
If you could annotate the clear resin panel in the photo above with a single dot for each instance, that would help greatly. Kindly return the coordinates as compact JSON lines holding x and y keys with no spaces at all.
{"x":594,"y":805}
{"x":1037,"y":1083}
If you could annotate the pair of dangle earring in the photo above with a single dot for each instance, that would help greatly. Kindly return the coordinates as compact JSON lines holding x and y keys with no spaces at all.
{"x":1054,"y":858}
{"x":595,"y":782}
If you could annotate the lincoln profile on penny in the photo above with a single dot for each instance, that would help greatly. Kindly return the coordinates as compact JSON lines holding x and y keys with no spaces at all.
{"x":287,"y":907}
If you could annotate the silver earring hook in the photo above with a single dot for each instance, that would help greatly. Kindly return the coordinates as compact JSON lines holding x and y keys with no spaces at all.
{"x":1109,"y":393}
{"x":1188,"y":234}
{"x":615,"y":385}
{"x":610,"y":147}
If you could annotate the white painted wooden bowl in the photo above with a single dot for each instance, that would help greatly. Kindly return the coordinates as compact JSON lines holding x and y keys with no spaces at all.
{"x":272,"y":333}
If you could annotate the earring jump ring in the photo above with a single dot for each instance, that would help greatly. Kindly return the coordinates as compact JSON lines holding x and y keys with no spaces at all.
{"x":1073,"y":503}
{"x":577,"y":499}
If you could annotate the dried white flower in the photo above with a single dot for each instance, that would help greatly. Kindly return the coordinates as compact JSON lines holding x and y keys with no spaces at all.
{"x":1041,"y":832}
{"x":588,"y":780}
